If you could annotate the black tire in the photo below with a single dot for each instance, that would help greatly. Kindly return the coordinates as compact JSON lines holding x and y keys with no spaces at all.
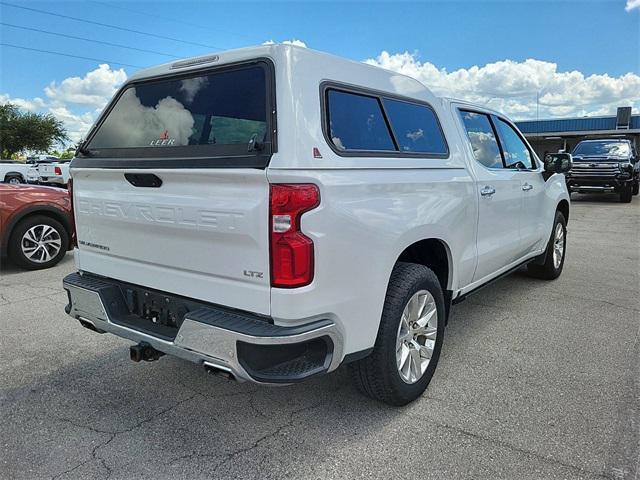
{"x":636,"y":188}
{"x":548,"y":269}
{"x":15,"y":250}
{"x":626,"y":194}
{"x":377,"y":375}
{"x":14,"y":179}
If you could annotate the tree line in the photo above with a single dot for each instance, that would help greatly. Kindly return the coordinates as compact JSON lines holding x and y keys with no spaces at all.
{"x":21,"y":131}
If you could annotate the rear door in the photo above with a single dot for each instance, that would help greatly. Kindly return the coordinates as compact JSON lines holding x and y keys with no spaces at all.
{"x":171,"y":191}
{"x":499,"y":192}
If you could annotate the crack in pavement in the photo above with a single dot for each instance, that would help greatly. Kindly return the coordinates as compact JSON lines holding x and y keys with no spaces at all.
{"x":94,"y":457}
{"x":523,"y":451}
{"x":230,"y":456}
{"x":112,"y":435}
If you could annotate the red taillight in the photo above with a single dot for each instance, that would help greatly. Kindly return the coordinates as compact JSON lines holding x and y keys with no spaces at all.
{"x":74,"y":239}
{"x":57,"y":170}
{"x":291,"y":250}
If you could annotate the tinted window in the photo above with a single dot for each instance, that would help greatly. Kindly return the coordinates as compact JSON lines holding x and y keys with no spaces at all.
{"x":356,"y":122}
{"x":516,"y":153}
{"x":613,"y":149}
{"x":482,"y":139}
{"x":416,"y":127}
{"x":222,"y":108}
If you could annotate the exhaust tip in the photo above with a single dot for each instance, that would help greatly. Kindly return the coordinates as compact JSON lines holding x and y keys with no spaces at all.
{"x":90,"y":326}
{"x":217,"y":371}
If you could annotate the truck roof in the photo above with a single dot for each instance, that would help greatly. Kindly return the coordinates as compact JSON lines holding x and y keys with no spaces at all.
{"x":293,"y":56}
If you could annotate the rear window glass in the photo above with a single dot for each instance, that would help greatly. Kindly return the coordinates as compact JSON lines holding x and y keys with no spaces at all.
{"x":416,"y":127}
{"x":356,"y":122}
{"x":215,"y":109}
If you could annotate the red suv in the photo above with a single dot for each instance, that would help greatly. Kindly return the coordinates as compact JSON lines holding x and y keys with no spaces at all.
{"x":36,"y":225}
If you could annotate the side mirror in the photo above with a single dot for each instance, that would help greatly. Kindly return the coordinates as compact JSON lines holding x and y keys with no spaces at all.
{"x":557,"y":162}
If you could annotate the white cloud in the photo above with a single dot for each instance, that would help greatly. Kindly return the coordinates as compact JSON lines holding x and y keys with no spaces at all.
{"x":631,"y":4}
{"x":168,"y":115}
{"x":94,"y":89}
{"x":512,"y":87}
{"x":77,"y":125}
{"x":191,"y":86}
{"x":297,"y":43}
{"x":76,"y":101}
{"x":31,"y":105}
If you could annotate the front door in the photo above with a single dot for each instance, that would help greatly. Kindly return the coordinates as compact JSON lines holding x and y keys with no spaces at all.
{"x":519,"y":158}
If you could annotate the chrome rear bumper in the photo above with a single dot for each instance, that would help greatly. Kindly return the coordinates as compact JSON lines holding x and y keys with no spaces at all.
{"x":214,"y":337}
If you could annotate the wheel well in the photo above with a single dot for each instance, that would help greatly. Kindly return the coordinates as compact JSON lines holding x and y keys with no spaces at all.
{"x":431,"y":253}
{"x":13,"y":174}
{"x":563,"y":207}
{"x":45,"y":213}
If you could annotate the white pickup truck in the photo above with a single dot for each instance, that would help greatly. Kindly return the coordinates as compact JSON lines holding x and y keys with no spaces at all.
{"x":56,"y":174}
{"x":51,"y":170}
{"x":15,"y":172}
{"x":274,"y":212}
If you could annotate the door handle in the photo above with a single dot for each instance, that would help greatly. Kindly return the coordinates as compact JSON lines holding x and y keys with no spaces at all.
{"x":487,"y":191}
{"x":526,"y":187}
{"x":143,"y":180}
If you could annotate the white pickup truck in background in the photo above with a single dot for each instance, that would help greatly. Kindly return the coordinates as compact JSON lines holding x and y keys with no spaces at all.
{"x":51,"y":170}
{"x":274,"y":212}
{"x":43,"y":169}
{"x":14,"y":172}
{"x":56,"y":174}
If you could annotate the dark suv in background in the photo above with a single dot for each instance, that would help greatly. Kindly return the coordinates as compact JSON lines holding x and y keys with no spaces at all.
{"x":605,"y":165}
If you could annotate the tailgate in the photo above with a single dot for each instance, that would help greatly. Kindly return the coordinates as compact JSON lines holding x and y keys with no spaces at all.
{"x":170,"y":189}
{"x":203,"y":233}
{"x":46,"y":170}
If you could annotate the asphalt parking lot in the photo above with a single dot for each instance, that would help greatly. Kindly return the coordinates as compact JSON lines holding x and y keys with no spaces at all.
{"x":537,"y":380}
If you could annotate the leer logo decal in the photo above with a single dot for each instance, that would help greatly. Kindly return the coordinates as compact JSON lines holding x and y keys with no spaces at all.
{"x":163,"y":140}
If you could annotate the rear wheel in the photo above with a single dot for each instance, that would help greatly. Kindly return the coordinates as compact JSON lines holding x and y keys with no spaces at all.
{"x":14,"y":180}
{"x":636,"y":187}
{"x":554,"y":255}
{"x":626,"y":194}
{"x":409,"y":339}
{"x":38,"y":242}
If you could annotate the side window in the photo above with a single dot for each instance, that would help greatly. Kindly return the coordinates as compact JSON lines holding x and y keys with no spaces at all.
{"x":482,"y":138}
{"x":416,"y":127}
{"x":356,"y":122}
{"x":516,"y":153}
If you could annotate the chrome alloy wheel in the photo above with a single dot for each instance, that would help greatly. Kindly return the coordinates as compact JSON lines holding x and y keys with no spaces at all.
{"x":41,"y":243}
{"x":14,"y":181}
{"x":558,"y":245}
{"x":416,"y":336}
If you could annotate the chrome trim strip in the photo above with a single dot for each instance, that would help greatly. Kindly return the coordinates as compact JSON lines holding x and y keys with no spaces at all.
{"x":597,"y":188}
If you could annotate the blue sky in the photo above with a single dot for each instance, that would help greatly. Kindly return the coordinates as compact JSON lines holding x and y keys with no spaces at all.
{"x":599,"y":38}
